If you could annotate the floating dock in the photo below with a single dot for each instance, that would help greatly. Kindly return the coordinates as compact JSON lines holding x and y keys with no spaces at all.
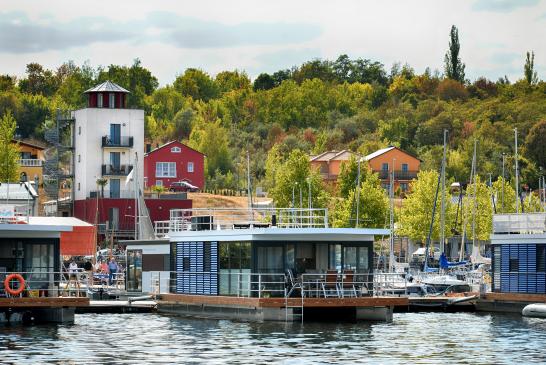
{"x":280,"y":309}
{"x":41,"y":309}
{"x":507,"y":302}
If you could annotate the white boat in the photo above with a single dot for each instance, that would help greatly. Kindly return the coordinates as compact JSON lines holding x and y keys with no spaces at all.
{"x":442,"y":282}
{"x":535,"y":310}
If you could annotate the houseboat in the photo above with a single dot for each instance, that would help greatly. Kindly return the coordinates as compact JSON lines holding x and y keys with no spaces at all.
{"x":271,"y":264}
{"x":518,"y":264}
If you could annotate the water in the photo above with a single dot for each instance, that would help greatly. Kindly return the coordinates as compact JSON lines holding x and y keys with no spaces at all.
{"x":428,"y":338}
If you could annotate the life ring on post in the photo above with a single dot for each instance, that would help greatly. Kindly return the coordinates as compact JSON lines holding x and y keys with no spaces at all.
{"x":7,"y":287}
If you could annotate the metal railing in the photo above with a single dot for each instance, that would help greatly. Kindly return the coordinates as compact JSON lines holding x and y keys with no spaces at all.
{"x":519,"y":223}
{"x":398,"y":175}
{"x":199,"y":219}
{"x":108,"y":141}
{"x":64,"y":283}
{"x":112,"y":194}
{"x":113,"y":170}
{"x":30,"y":162}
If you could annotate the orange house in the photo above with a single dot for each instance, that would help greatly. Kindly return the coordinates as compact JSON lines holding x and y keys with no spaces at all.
{"x":405,"y":165}
{"x":329,"y":163}
{"x":31,"y":161}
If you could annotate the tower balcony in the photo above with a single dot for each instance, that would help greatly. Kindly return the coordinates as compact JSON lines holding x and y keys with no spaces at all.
{"x":113,"y":170}
{"x":119,"y":142}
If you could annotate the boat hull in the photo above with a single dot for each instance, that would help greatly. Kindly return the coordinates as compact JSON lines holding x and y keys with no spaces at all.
{"x":535,"y":310}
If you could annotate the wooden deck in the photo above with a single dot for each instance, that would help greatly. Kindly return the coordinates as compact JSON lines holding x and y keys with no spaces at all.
{"x":46,"y":302}
{"x":282,"y":302}
{"x":515,"y":297}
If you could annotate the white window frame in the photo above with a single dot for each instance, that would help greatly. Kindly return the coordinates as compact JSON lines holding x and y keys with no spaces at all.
{"x":159,"y":183}
{"x":190,"y":167}
{"x":111,"y":100}
{"x":99,"y":100}
{"x":176,"y":150}
{"x":165,"y":169}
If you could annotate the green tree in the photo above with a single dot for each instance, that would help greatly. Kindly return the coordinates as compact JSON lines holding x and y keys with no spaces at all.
{"x":232,"y":80}
{"x":197,"y":84}
{"x":39,"y":81}
{"x":211,"y":139}
{"x":417,"y":208}
{"x":535,"y":144}
{"x":509,"y":205}
{"x":295,"y":175}
{"x":9,"y":152}
{"x":482,"y":216}
{"x":348,"y":176}
{"x":454,"y":68}
{"x":264,"y":81}
{"x":529,"y":69}
{"x":532,"y":203}
{"x":7,"y":82}
{"x":373,"y":208}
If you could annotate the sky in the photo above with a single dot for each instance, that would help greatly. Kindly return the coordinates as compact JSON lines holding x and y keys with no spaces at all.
{"x":257,"y":36}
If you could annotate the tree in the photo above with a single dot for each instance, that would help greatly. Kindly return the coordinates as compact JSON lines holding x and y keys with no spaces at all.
{"x":232,"y":80}
{"x":7,"y":82}
{"x":373,"y":208}
{"x":9,"y":152}
{"x":264,"y":81}
{"x":509,"y":193}
{"x":483,"y":214}
{"x":294,"y":175}
{"x":454,"y":68}
{"x":348,"y":176}
{"x":197,"y":84}
{"x":417,"y":208}
{"x":39,"y":81}
{"x":211,"y":140}
{"x":535,"y":144}
{"x":529,"y":69}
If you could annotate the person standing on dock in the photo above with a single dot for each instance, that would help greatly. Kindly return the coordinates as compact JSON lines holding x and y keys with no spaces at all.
{"x":112,"y":269}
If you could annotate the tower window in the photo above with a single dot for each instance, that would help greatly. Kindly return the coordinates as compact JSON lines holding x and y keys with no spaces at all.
{"x":99,"y":100}
{"x":112,"y":100}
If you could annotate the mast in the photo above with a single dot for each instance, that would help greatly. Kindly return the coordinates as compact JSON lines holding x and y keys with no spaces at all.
{"x":391,"y":225}
{"x":517,"y":172}
{"x":443,"y":206}
{"x":474,"y":208}
{"x":502,"y":191}
{"x":135,"y":178}
{"x":357,"y":192}
{"x":248,"y":185}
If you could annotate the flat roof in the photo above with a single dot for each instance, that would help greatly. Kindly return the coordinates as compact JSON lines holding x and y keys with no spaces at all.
{"x":282,"y":234}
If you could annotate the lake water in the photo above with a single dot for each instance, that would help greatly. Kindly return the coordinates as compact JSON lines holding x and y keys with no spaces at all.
{"x":428,"y":338}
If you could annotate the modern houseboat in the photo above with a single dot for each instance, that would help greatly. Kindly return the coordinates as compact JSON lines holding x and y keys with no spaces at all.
{"x":270,"y":264}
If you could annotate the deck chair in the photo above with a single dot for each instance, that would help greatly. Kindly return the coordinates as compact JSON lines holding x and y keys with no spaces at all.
{"x":293,"y":283}
{"x":347,"y":284}
{"x":329,"y":285}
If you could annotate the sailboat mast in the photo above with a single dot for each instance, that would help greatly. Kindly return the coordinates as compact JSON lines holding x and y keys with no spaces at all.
{"x":135,"y":179}
{"x":391,"y":226}
{"x":517,"y":172}
{"x":474,"y":208}
{"x":443,"y":206}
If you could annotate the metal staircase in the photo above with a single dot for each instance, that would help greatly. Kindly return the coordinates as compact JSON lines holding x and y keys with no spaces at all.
{"x":59,"y":159}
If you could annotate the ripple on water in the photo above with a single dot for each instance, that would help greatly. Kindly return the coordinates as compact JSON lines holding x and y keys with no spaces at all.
{"x":427,"y":338}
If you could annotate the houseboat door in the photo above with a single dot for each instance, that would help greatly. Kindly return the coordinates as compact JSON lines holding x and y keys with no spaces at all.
{"x":134,"y":270}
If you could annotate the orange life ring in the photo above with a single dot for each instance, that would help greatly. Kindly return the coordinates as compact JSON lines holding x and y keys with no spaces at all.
{"x":8,"y":288}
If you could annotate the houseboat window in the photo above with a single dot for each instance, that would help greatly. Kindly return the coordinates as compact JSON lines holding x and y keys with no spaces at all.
{"x":513,"y":265}
{"x":290,"y":256}
{"x":334,"y":257}
{"x":541,"y":258}
{"x":234,"y":267}
{"x":305,"y":257}
{"x":134,"y":270}
{"x":39,"y":259}
{"x":270,"y":259}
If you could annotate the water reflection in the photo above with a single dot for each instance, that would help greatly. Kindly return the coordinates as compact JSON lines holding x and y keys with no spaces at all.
{"x":428,"y":338}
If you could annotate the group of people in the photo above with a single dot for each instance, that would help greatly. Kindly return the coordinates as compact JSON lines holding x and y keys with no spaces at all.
{"x":102,"y":266}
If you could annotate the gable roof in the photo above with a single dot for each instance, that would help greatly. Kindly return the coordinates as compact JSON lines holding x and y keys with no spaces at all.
{"x":107,"y":86}
{"x":30,"y":144}
{"x":328,"y":156}
{"x":169,"y":143}
{"x":382,"y":151}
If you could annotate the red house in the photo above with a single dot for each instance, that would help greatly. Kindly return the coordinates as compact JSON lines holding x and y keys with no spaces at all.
{"x":174,"y":162}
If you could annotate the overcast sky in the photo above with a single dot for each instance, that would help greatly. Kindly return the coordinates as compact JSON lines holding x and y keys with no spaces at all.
{"x":264,"y":36}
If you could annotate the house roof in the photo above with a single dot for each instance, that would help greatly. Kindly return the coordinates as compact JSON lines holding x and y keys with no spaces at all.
{"x":382,"y":151}
{"x":30,"y":144}
{"x":327,"y":156}
{"x":58,"y":221}
{"x":169,"y":143}
{"x":107,"y":86}
{"x":17,"y":191}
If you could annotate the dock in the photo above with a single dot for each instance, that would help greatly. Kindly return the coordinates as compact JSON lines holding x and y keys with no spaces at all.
{"x":119,"y":306}
{"x":40,"y":309}
{"x":279,"y":309}
{"x":507,"y":302}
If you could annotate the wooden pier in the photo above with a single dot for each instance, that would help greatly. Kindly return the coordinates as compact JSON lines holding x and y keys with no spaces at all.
{"x":44,"y":302}
{"x":507,"y":302}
